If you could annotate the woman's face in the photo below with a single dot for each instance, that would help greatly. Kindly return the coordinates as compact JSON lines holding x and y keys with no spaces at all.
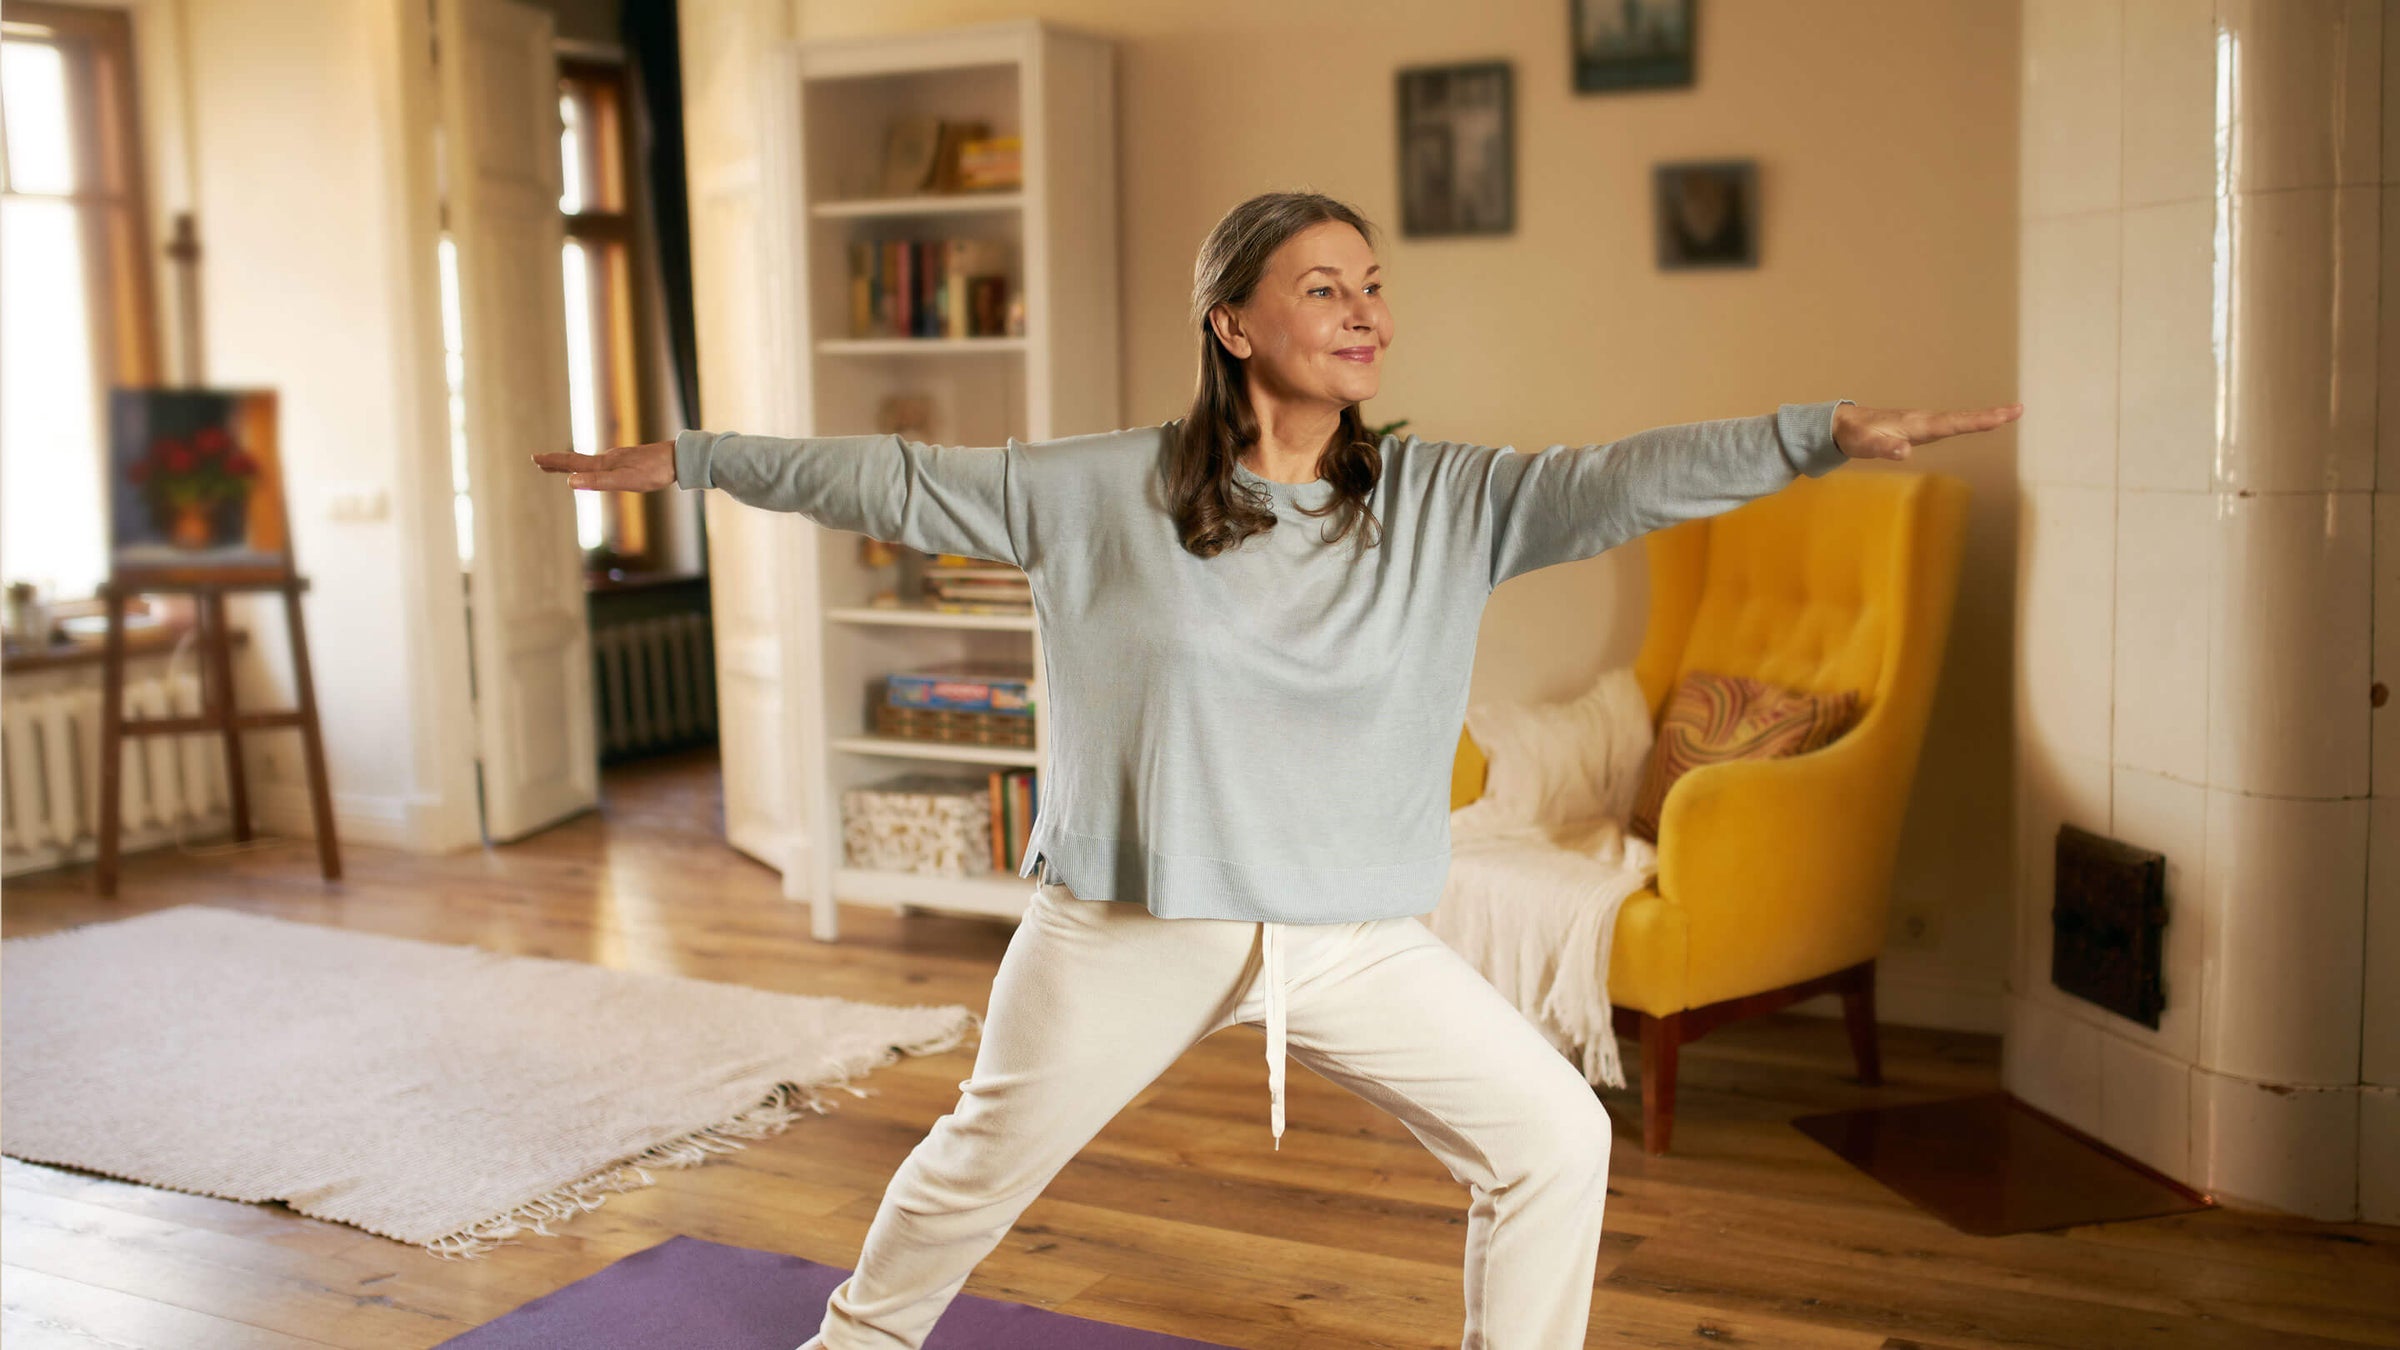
{"x":1316,"y":327}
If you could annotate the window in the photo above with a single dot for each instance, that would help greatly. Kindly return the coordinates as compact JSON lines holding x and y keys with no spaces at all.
{"x":603,"y":373}
{"x":75,"y":277}
{"x":603,"y":368}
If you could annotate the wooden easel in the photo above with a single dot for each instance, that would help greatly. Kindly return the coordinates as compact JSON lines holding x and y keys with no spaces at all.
{"x":217,"y":705}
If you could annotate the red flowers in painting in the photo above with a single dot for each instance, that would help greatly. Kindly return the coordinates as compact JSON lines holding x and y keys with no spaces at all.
{"x":204,"y":467}
{"x":185,"y":477}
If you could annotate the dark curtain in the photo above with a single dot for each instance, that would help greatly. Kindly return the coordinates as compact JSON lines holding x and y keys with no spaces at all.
{"x":648,"y":29}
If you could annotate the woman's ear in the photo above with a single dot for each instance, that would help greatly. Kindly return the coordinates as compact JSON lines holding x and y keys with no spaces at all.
{"x":1228,"y":327}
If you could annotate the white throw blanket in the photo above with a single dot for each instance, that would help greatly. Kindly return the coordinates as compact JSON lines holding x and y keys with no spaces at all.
{"x":1542,"y":862}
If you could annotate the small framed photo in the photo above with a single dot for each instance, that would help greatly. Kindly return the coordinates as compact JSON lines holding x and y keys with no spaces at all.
{"x":1457,"y":149}
{"x":1708,"y":214}
{"x":1632,"y":44}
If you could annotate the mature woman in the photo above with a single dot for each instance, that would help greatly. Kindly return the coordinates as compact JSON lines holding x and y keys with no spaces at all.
{"x":1258,"y":624}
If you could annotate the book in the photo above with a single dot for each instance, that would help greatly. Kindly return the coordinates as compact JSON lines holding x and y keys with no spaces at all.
{"x":862,"y":287}
{"x":910,"y":146}
{"x":989,"y":163}
{"x":954,"y":136}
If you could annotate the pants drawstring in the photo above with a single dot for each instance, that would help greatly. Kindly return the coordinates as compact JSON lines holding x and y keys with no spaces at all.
{"x":1271,"y":940}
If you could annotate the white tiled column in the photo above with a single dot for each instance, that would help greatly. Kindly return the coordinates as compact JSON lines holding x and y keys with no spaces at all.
{"x":2204,"y":200}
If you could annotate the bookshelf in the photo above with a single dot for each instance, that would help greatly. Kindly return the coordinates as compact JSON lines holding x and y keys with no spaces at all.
{"x":832,"y":103}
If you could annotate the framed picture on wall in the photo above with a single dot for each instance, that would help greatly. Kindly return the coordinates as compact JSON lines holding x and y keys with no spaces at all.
{"x":1708,"y":214}
{"x":1457,"y":149}
{"x":1632,"y":44}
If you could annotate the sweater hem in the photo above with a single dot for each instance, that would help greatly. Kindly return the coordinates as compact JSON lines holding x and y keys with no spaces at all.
{"x":1174,"y":886}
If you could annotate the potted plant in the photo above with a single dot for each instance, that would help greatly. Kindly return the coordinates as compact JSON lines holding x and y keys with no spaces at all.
{"x":187,"y":480}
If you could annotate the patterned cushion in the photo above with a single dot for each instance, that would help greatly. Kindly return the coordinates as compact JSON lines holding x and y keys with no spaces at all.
{"x":1712,"y":717}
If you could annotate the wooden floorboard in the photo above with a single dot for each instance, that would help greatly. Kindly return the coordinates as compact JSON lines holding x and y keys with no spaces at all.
{"x":1180,"y":1216}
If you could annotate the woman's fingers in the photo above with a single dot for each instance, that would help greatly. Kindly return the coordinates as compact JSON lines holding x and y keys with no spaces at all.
{"x":1924,"y":427}
{"x":628,"y":468}
{"x":566,"y":461}
{"x":582,"y":471}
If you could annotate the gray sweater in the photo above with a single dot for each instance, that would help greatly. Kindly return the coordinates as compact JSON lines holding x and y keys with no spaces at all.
{"x":1266,"y":734}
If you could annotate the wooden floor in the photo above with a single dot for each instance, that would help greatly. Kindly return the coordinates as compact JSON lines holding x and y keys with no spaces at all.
{"x":1180,"y":1216}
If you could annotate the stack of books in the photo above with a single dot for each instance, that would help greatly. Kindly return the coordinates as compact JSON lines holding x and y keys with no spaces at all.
{"x":928,"y":288}
{"x":962,"y":585}
{"x":990,"y":162}
{"x":1015,"y":793}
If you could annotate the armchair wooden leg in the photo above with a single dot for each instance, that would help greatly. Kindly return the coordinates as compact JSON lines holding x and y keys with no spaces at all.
{"x":1661,"y":1038}
{"x":1858,"y":1012}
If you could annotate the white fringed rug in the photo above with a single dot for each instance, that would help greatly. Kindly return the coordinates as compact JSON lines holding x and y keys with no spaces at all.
{"x":445,"y":1096}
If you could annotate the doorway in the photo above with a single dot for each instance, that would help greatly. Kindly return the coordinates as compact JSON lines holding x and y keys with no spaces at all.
{"x":634,"y":680}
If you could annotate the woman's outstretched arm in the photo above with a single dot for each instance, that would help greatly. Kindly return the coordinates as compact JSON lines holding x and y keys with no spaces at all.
{"x":1570,"y":502}
{"x":937,"y":498}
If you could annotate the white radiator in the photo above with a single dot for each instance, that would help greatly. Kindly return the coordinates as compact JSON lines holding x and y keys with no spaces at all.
{"x":655,"y":683}
{"x":50,"y":767}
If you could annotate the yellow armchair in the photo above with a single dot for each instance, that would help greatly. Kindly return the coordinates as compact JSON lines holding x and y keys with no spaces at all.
{"x":1774,"y":876}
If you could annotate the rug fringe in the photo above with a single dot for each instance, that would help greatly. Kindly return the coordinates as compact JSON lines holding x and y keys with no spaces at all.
{"x":783,"y":1105}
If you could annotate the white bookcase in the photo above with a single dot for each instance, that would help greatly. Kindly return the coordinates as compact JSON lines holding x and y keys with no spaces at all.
{"x":830,"y":106}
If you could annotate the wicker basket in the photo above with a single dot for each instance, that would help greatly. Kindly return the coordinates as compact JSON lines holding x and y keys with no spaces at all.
{"x":948,"y":725}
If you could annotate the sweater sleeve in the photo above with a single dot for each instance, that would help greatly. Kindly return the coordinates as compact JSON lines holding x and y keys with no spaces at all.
{"x":937,"y":498}
{"x":1570,"y":502}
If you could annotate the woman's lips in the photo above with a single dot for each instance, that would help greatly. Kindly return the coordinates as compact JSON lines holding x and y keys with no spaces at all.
{"x":1362,"y":355}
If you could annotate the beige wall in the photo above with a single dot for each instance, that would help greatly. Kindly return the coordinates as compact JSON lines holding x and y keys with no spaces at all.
{"x":300,"y":146}
{"x":1886,"y":137}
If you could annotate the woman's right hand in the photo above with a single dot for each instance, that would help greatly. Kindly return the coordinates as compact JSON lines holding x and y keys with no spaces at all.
{"x":628,"y":468}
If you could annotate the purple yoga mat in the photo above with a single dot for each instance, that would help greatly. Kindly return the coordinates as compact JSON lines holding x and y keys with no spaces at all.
{"x":688,"y":1293}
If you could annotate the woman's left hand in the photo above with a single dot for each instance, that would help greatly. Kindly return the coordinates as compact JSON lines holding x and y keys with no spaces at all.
{"x":1890,"y":433}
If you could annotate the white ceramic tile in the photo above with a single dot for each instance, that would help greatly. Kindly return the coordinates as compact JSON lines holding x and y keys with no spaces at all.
{"x":2168,"y":368}
{"x":2170,"y":100}
{"x":2385,"y":662}
{"x":2387,"y":432}
{"x":2293,"y":1151}
{"x":2301,"y":357}
{"x":2306,"y":84}
{"x":2055,"y":787}
{"x":2069,"y":114}
{"x":2172,"y":818}
{"x":2379,"y":1155}
{"x":2161,"y":664}
{"x":2052,"y":1062}
{"x":2066,"y":569}
{"x":2379,"y":1056}
{"x":2068,"y":356}
{"x":2146,"y":1106}
{"x":2288,"y":663}
{"x":2287,"y":898}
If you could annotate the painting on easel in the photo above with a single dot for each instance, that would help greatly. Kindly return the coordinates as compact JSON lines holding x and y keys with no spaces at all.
{"x":195,"y":487}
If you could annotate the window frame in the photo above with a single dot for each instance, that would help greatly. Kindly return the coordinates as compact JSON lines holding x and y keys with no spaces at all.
{"x":110,"y":196}
{"x":109,"y":202}
{"x":606,"y":228}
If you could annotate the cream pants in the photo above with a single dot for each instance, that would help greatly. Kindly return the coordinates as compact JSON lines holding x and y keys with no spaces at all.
{"x":1095,"y":998}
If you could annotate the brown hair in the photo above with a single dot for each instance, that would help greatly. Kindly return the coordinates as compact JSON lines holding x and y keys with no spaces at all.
{"x":1213,"y":510}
